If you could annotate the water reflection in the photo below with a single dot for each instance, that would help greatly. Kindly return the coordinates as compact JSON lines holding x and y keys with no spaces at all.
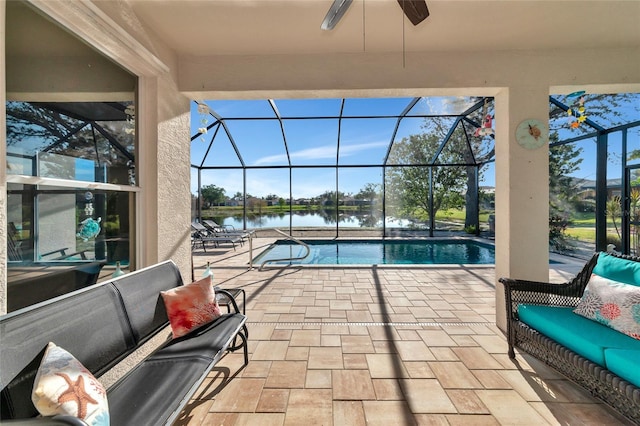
{"x":320,"y":218}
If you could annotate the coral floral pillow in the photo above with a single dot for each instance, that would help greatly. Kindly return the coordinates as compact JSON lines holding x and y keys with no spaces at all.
{"x":191,"y":306}
{"x":612,"y":303}
{"x":63,"y":386}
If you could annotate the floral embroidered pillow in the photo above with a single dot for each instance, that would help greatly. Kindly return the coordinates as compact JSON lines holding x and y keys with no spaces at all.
{"x":190,"y":306}
{"x":64,"y":386}
{"x":612,"y":303}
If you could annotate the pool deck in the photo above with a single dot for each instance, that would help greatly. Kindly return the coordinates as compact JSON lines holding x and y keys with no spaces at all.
{"x":381,"y":345}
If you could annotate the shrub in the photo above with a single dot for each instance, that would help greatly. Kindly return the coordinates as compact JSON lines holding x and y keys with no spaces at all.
{"x":558,"y":239}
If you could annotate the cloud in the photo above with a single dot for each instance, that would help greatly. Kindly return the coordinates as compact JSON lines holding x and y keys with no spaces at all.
{"x":321,"y":152}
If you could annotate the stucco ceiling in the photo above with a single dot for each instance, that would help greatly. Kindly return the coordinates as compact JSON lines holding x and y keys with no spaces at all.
{"x":258,"y":27}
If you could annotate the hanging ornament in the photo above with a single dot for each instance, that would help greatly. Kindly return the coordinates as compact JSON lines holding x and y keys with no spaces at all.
{"x":88,"y":209}
{"x":203,"y":108}
{"x":204,"y":111}
{"x":88,"y":206}
{"x":576,"y":109}
{"x":90,"y":227}
{"x":486,"y":128}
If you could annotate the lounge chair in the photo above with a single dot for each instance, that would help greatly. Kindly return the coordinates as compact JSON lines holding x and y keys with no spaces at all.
{"x":14,"y":249}
{"x":210,"y":224}
{"x":226,"y":229}
{"x":201,"y":235}
{"x":30,"y":282}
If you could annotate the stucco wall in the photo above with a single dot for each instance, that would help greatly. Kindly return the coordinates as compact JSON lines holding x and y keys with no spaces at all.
{"x":424,"y":74}
{"x":174,"y":177}
{"x":46,"y":63}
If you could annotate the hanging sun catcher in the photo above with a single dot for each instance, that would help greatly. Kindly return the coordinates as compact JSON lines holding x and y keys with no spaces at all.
{"x":486,"y":127}
{"x":576,"y":112}
{"x":203,"y":110}
{"x":89,"y":227}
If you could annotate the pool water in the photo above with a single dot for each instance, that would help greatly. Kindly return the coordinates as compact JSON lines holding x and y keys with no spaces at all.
{"x":384,"y":252}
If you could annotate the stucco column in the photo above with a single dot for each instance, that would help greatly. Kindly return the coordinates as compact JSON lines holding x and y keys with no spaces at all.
{"x":522,"y":192}
{"x":164,"y":202}
{"x":174,"y":177}
{"x":147,"y":170}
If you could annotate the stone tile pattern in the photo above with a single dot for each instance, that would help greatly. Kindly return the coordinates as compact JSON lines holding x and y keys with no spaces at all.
{"x":379,"y":345}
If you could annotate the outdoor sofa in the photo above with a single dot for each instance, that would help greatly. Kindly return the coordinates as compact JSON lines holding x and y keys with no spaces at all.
{"x":101,"y":325}
{"x":542,"y":320}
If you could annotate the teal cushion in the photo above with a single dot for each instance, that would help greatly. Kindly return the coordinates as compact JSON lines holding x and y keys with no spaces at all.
{"x":614,"y":268}
{"x":625,"y":363}
{"x":581,"y":335}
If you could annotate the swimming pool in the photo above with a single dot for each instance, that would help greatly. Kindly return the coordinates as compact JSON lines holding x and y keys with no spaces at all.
{"x":381,"y":252}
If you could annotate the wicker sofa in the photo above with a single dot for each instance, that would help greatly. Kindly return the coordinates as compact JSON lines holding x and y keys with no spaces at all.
{"x":541,"y":321}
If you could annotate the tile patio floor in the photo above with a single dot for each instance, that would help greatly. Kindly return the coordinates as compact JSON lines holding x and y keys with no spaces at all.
{"x":379,"y":346}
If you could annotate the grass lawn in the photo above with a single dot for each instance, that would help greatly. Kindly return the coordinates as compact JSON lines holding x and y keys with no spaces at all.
{"x":583,"y":234}
{"x":459,"y":215}
{"x":589,"y":234}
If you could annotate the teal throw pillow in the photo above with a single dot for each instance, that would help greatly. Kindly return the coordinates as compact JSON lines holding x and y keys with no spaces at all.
{"x":616,"y":269}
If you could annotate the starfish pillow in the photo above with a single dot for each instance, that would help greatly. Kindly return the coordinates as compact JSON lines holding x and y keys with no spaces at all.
{"x":64,"y":386}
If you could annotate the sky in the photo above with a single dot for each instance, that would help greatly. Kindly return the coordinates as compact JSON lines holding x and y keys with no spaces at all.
{"x":362,"y":141}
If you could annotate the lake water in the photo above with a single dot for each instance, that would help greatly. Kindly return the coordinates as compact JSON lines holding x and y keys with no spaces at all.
{"x":313,"y":219}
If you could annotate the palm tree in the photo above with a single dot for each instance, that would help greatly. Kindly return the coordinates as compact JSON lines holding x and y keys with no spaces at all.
{"x":613,"y":210}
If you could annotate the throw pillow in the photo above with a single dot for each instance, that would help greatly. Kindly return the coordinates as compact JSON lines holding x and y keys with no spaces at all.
{"x":617,"y":269}
{"x":612,"y":303}
{"x":190,"y":306}
{"x":64,"y":386}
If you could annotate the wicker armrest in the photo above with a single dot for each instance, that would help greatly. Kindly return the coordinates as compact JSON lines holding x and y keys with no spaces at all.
{"x":525,"y":286}
{"x":541,"y":293}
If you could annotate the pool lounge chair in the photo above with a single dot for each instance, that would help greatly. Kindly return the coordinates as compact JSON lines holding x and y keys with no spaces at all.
{"x":216,"y":229}
{"x":14,"y":249}
{"x":201,"y":235}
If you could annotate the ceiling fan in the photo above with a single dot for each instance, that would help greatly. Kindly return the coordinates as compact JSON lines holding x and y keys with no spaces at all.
{"x":415,"y":10}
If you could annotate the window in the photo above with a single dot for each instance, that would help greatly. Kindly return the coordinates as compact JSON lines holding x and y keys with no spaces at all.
{"x":70,"y":196}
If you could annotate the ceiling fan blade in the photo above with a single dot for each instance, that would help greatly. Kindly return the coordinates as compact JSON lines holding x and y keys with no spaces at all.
{"x":335,"y":13}
{"x":416,"y":10}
